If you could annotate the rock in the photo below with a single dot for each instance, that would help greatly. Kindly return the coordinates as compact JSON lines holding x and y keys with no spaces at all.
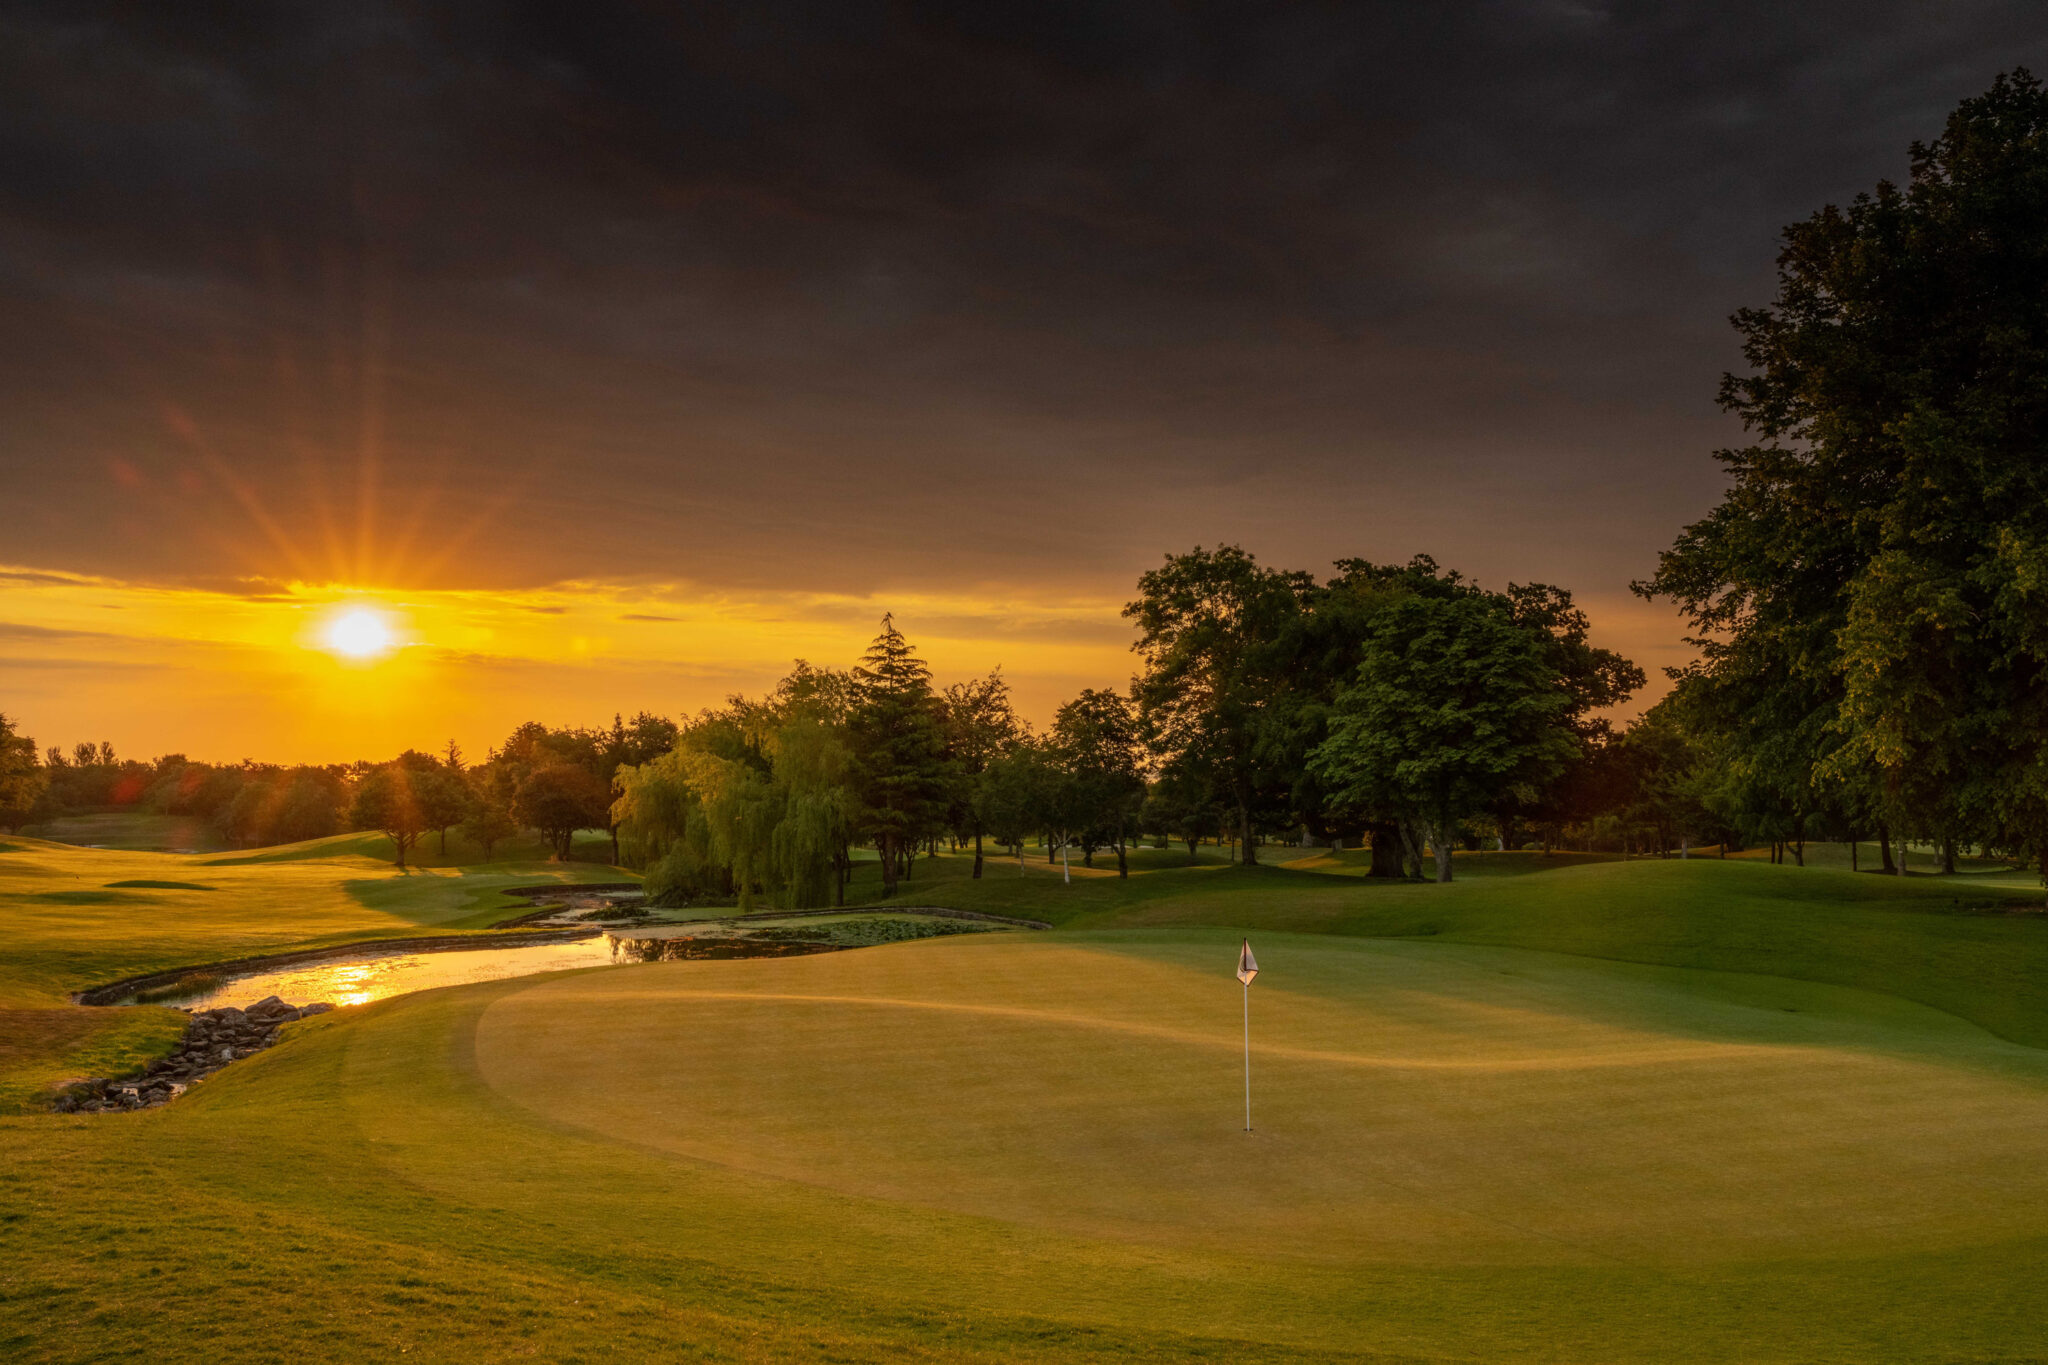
{"x":310,"y":1010}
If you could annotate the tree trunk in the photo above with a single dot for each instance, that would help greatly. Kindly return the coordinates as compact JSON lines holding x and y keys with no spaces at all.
{"x":1440,"y":844}
{"x":1194,"y":853}
{"x":615,"y":846}
{"x":1048,"y":849}
{"x":977,"y":853}
{"x":1244,"y":829}
{"x":1854,"y":848}
{"x":888,"y":865}
{"x":840,"y":865}
{"x":1884,"y":848}
{"x":1123,"y":865}
{"x":1948,"y":856}
{"x":1385,"y":837}
{"x":1412,"y":846}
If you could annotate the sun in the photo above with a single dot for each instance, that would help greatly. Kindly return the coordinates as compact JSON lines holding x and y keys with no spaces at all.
{"x":360,"y":633}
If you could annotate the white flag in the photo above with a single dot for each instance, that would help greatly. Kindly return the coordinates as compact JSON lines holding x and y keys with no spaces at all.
{"x":1247,"y":965}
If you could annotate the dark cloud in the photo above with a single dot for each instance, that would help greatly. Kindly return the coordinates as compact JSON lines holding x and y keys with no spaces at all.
{"x":848,"y":296}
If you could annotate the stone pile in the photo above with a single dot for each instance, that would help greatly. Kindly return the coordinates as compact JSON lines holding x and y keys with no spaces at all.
{"x":212,"y":1040}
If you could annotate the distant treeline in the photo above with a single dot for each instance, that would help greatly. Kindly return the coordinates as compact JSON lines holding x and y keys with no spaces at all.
{"x":538,"y":779}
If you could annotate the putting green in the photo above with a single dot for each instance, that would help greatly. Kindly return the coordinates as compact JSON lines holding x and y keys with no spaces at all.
{"x":1422,"y":1104}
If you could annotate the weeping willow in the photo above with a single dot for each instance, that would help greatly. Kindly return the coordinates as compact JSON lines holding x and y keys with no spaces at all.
{"x":774,"y":820}
{"x":814,"y":771}
{"x":663,"y":830}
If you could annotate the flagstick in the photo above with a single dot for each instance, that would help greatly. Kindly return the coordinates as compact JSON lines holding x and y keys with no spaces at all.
{"x":1247,"y":1056}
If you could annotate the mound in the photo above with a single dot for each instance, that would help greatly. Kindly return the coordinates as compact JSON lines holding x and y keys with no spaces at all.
{"x":1419,"y":1104}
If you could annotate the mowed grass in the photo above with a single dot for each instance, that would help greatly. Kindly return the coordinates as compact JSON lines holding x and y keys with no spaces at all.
{"x":1539,"y":1115}
{"x":1965,"y":945}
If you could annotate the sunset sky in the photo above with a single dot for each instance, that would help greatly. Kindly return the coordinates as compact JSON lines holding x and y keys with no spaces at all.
{"x":613,"y":355}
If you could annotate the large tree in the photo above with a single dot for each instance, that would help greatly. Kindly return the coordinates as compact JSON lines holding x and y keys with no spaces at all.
{"x":1209,"y":627}
{"x":1454,"y":703}
{"x":1870,"y":598}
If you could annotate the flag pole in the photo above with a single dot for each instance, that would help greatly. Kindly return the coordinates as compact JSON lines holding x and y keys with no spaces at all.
{"x":1247,"y":968}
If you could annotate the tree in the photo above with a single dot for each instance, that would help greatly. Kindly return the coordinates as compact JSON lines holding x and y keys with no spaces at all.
{"x":22,"y":778}
{"x":1178,"y":808}
{"x":384,"y":801}
{"x":1010,"y":794}
{"x":307,"y":806}
{"x":1870,"y":598}
{"x":901,"y":749}
{"x":648,"y":737}
{"x":1453,"y":703}
{"x":815,"y":788}
{"x":1660,"y":764}
{"x":1209,"y":625}
{"x":661,"y":822}
{"x":980,"y":726}
{"x":444,"y":801}
{"x":560,"y":799}
{"x":1095,"y":740}
{"x":489,"y":820}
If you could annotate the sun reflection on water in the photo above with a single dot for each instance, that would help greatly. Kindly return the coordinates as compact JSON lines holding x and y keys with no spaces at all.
{"x":379,"y":976}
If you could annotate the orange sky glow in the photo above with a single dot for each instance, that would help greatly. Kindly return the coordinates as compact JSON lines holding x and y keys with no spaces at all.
{"x":221,"y":676}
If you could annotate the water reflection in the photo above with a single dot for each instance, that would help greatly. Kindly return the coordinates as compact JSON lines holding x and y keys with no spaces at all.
{"x":359,"y":980}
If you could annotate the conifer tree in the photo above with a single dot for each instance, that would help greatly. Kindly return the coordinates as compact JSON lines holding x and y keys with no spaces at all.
{"x":900,"y":747}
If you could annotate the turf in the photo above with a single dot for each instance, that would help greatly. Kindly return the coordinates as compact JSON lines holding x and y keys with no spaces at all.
{"x":1538,"y":1115}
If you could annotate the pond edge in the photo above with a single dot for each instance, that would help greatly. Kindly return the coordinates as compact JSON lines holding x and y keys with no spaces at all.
{"x":115,"y":991}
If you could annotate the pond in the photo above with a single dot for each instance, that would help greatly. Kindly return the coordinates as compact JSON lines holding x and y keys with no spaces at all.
{"x":358,"y":978}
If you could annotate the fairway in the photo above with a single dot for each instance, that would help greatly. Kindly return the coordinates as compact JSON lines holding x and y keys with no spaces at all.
{"x":1415,"y":1103}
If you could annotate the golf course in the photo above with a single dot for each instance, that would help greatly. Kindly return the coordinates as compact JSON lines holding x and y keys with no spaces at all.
{"x":1562,"y":1108}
